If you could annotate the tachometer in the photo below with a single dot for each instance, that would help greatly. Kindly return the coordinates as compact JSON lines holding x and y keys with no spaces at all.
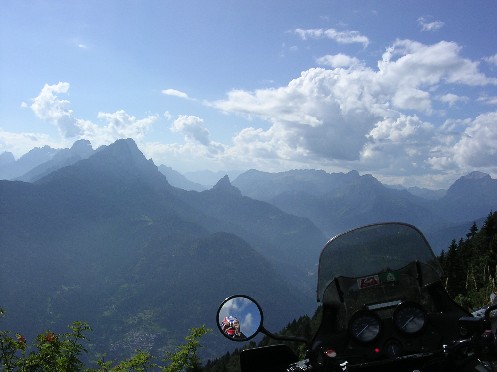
{"x":409,"y":317}
{"x":365,"y":326}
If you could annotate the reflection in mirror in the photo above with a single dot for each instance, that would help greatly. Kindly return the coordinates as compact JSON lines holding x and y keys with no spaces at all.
{"x":239,"y":318}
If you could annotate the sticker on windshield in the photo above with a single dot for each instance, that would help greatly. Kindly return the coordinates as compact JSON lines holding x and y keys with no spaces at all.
{"x":368,"y":281}
{"x":389,"y":277}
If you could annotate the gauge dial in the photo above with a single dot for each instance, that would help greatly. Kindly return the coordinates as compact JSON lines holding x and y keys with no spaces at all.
{"x":409,"y":317}
{"x":365,"y":326}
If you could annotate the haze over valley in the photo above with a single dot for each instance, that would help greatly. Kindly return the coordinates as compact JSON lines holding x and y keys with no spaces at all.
{"x":159,"y":156}
{"x":143,"y":253}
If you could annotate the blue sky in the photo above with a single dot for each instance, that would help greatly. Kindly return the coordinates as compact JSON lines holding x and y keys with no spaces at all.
{"x":404,"y":90}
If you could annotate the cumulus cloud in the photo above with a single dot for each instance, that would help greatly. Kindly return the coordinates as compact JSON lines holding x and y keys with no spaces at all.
{"x":492,"y":59}
{"x":20,"y":143}
{"x":341,"y":37}
{"x":426,"y":25}
{"x":476,"y":147}
{"x":371,"y":119}
{"x":337,"y":60}
{"x":194,"y":131}
{"x":175,"y":93}
{"x":453,"y":99}
{"x":122,"y":125}
{"x":50,"y":107}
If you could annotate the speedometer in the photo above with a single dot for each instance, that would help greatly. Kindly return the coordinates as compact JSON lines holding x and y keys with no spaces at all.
{"x":365,"y":326}
{"x":409,"y":317}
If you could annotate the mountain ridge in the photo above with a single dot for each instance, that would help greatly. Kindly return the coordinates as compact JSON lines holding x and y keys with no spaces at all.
{"x":109,"y":240}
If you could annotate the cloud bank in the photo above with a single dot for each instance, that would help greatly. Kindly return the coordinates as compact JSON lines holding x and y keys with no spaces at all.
{"x":393,"y":120}
{"x":399,"y":119}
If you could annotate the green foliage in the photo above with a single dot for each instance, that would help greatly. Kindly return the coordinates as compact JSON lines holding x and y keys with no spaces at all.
{"x":185,"y":358}
{"x":63,"y":352}
{"x":470,"y":265}
{"x":50,"y":352}
{"x":140,"y":362}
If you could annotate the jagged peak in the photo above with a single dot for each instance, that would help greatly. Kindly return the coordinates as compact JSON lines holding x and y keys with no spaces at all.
{"x":475,"y":175}
{"x":45,"y":151}
{"x":224,"y":185}
{"x":125,"y":150}
{"x":81,"y":144}
{"x":7,"y":157}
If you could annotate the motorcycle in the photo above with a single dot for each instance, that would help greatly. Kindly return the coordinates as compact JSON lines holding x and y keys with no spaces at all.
{"x":384,"y":308}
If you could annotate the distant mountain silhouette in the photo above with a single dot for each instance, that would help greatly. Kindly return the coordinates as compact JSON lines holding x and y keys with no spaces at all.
{"x":6,"y":158}
{"x":337,"y":202}
{"x":10,"y":170}
{"x":80,"y":150}
{"x":427,"y":193}
{"x":470,"y":197}
{"x":176,"y":179}
{"x":108,"y":240}
{"x":209,"y":178}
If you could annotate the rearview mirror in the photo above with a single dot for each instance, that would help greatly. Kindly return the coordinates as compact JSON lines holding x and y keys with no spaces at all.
{"x":239,"y":318}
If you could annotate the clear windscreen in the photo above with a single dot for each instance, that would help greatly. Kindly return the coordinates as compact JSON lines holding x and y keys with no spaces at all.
{"x":371,"y":252}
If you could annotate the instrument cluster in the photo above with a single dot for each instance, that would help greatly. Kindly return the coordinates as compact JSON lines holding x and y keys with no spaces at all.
{"x":409,"y":318}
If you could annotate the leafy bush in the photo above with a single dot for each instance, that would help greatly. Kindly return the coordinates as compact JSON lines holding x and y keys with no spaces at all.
{"x":63,"y":352}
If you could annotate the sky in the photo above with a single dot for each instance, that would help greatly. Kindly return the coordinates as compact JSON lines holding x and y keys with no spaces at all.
{"x":403,"y":90}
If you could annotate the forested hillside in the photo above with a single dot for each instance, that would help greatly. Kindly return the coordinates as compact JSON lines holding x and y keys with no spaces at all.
{"x":470,"y":265}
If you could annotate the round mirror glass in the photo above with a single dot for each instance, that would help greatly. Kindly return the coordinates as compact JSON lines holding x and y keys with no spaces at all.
{"x":239,"y":318}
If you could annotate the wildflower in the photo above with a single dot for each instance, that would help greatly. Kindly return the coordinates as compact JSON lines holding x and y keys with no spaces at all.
{"x":20,"y":339}
{"x":50,"y":337}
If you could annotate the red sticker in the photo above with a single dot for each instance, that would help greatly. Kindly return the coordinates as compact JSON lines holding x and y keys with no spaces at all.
{"x":368,"y":281}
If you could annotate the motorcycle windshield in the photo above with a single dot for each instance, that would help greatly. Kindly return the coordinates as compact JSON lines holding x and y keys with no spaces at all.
{"x":372,"y":253}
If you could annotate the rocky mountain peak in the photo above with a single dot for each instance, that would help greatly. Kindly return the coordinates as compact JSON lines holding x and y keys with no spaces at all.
{"x":82,"y":147}
{"x":476,"y":175}
{"x":6,"y":158}
{"x":224,"y":185}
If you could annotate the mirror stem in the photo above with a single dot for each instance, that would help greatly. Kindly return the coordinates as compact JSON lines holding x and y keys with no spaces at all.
{"x":284,"y":338}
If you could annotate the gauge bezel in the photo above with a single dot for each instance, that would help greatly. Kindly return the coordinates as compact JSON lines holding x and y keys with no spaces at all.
{"x":365,"y":313}
{"x":402,"y":307}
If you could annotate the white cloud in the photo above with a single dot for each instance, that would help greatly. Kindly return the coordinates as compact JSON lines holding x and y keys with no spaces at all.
{"x":341,"y":37}
{"x":122,"y":125}
{"x":477,"y":146}
{"x":382,"y":119}
{"x":175,"y":93}
{"x":488,"y":100}
{"x":368,"y":119}
{"x":452,"y":99}
{"x":49,"y":107}
{"x":427,"y":25}
{"x":194,"y":131}
{"x":415,"y":65}
{"x":338,"y":60}
{"x":20,"y":143}
{"x":492,"y":59}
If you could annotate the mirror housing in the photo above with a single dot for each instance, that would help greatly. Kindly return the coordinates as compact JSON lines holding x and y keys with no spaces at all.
{"x":239,"y":318}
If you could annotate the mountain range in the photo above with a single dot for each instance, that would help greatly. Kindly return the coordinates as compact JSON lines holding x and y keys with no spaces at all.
{"x":143,"y":253}
{"x":108,"y":240}
{"x":340,"y":201}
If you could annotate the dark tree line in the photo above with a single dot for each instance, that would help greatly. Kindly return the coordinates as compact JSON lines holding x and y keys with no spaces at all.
{"x":470,"y":265}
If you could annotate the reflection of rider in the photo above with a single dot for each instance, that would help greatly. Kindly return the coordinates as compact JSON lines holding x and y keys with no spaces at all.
{"x":231,"y":327}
